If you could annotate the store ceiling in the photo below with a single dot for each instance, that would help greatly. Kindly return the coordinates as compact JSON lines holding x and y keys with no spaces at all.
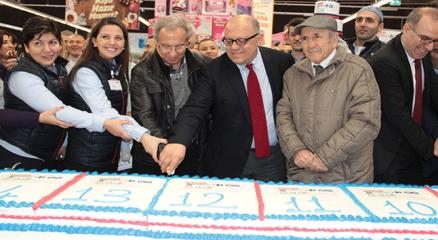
{"x":284,"y":11}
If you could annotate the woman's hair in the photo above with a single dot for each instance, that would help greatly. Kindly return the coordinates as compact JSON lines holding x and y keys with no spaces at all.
{"x":37,"y":26}
{"x":3,"y":33}
{"x":91,"y":52}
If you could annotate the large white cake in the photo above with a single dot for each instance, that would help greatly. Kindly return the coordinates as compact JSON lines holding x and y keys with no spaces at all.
{"x":51,"y":205}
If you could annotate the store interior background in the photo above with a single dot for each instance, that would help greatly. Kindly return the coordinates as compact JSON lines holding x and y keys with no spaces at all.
{"x":283,"y":11}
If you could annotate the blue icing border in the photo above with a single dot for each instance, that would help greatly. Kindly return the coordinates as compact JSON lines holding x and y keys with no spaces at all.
{"x":36,"y":227}
{"x":90,"y":208}
{"x":14,"y":204}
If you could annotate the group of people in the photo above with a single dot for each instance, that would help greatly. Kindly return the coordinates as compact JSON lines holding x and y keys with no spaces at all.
{"x":323,"y":113}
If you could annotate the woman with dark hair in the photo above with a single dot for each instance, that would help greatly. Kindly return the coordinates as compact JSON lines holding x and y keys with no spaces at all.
{"x":8,"y":58}
{"x":38,"y":83}
{"x":8,"y":55}
{"x":99,"y":84}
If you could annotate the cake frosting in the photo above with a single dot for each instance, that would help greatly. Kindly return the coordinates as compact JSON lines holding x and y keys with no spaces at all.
{"x":53,"y":205}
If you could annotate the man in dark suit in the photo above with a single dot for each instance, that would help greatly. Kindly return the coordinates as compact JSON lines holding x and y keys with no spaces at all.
{"x":408,"y":86}
{"x":242,"y":141}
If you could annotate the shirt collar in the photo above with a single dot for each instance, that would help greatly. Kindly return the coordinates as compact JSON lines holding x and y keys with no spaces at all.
{"x":324,"y":63}
{"x":255,"y":62}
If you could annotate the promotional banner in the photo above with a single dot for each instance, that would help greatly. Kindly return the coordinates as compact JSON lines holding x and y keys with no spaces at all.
{"x":89,"y":12}
{"x":201,"y":23}
{"x":263,"y":10}
{"x":218,"y":27}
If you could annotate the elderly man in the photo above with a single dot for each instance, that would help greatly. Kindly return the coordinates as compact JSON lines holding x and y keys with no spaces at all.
{"x":409,"y":88}
{"x":240,"y":94}
{"x":369,"y":22}
{"x":161,"y":85}
{"x":295,"y":39}
{"x":329,"y":113}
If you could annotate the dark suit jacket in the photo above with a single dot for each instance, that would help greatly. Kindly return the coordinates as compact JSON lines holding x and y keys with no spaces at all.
{"x":394,"y":76}
{"x":223,"y":95}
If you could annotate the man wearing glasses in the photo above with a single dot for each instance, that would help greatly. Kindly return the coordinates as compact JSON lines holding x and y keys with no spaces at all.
{"x":241,"y":92}
{"x":161,"y":85}
{"x":409,"y":89}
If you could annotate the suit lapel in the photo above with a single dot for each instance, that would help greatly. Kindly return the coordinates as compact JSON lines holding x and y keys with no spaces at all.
{"x":405,"y":67}
{"x":234,"y":78}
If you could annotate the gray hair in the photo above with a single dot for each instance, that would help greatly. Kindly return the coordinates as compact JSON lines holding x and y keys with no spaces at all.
{"x":256,"y":24}
{"x":417,"y":13}
{"x":172,"y":22}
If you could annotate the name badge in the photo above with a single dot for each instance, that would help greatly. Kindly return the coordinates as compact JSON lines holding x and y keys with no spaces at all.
{"x":115,"y":85}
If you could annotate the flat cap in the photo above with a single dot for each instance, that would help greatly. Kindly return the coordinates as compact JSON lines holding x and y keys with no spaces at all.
{"x":373,"y":9}
{"x":320,"y":22}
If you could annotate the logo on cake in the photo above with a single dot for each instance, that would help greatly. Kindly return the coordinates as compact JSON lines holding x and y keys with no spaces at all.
{"x":109,"y":180}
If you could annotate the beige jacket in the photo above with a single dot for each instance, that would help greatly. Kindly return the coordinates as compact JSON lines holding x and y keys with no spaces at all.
{"x":336,"y":116}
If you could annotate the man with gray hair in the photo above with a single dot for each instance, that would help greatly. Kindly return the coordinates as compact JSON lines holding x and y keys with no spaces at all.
{"x":368,"y":23}
{"x":161,"y":85}
{"x":329,"y":113}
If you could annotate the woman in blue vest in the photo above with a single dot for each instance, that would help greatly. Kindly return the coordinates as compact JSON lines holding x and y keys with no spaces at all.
{"x":99,"y":84}
{"x":38,"y":83}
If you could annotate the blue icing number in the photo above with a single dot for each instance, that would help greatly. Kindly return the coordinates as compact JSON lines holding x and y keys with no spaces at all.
{"x":81,"y":197}
{"x":7,"y":192}
{"x":414,"y":207}
{"x":212,"y":201}
{"x":318,"y":208}
{"x":117,"y":195}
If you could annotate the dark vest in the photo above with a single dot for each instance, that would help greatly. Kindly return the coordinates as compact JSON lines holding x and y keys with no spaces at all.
{"x":43,"y":141}
{"x":96,"y":149}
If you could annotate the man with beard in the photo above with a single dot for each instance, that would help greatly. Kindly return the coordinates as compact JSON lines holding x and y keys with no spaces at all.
{"x":295,"y":39}
{"x":369,"y":21}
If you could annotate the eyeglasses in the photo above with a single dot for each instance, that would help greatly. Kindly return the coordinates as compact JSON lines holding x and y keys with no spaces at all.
{"x":240,"y":41}
{"x":424,"y":39}
{"x":168,"y":48}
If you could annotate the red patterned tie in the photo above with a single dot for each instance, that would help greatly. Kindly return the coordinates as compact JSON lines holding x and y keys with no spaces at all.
{"x":258,"y":117}
{"x":418,"y":103}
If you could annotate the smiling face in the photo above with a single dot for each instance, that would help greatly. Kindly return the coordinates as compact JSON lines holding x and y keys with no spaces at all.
{"x":318,"y":44}
{"x":414,"y":45}
{"x":241,"y":27}
{"x":44,"y":49}
{"x":75,"y":45}
{"x":109,"y":41}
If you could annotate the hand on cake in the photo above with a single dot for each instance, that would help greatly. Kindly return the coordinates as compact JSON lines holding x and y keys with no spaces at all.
{"x":150,"y":145}
{"x":114,"y":126}
{"x":171,"y":156}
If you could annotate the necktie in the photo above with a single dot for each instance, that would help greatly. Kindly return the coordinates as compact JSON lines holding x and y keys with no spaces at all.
{"x":418,"y":103}
{"x":318,"y":69}
{"x":258,"y":116}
